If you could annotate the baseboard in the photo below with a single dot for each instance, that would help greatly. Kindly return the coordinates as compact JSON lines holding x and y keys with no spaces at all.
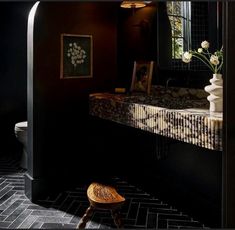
{"x":40,"y":188}
{"x":35,"y":188}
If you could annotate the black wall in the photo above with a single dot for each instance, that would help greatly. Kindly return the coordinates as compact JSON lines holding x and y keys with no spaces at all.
{"x":13,"y":71}
{"x":62,"y":146}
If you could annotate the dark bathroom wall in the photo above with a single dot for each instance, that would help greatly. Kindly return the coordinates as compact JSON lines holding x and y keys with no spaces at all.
{"x":63,"y":151}
{"x":13,"y":71}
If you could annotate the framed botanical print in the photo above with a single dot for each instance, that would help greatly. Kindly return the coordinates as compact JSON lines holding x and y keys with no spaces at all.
{"x":76,"y":56}
{"x":142,"y":76}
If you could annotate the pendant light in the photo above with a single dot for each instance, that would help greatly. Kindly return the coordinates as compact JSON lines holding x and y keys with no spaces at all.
{"x":133,"y":4}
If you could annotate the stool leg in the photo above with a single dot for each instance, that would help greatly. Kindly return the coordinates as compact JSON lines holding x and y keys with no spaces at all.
{"x":117,"y":218}
{"x":86,"y":217}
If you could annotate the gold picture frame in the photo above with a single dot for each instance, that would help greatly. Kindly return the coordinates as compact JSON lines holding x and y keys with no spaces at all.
{"x":142,"y":76}
{"x":76,"y":56}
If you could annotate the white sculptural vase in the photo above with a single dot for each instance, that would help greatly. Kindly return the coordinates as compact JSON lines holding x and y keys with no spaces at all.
{"x":216,"y":93}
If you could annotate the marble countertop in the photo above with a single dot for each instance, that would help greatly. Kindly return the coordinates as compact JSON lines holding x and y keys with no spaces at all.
{"x":182,"y":116}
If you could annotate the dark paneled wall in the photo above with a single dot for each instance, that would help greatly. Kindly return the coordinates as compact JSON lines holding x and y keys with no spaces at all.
{"x":62,"y":143}
{"x":13,"y":71}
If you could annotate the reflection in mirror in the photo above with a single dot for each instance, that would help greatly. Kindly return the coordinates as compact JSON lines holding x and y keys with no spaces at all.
{"x":182,"y":26}
{"x":189,"y":23}
{"x":161,"y":31}
{"x":179,"y":14}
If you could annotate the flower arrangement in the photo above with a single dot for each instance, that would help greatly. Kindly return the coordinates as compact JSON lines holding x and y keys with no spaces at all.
{"x":213,"y":61}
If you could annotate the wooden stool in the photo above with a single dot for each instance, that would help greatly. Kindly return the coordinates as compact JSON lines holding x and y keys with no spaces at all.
{"x":103,"y":197}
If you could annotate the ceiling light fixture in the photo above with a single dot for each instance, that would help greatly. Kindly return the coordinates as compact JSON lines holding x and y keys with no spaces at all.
{"x":134,"y":4}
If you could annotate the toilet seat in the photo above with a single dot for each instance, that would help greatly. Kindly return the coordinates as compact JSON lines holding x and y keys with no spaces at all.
{"x":21,"y":126}
{"x":21,"y":135}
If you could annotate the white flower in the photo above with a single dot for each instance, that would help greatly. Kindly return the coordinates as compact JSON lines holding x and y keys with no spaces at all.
{"x":199,"y":50}
{"x":214,"y":59}
{"x":186,"y":57}
{"x":205,"y":44}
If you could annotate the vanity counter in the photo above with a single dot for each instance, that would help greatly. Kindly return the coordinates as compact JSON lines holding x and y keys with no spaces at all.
{"x":186,"y":120}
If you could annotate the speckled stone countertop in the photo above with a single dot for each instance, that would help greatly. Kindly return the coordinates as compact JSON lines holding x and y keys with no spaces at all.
{"x":178,"y":113}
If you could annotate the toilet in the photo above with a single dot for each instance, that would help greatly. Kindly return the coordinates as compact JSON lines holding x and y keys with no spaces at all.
{"x":21,"y":135}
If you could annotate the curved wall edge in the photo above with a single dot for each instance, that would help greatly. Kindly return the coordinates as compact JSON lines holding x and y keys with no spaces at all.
{"x":30,"y":32}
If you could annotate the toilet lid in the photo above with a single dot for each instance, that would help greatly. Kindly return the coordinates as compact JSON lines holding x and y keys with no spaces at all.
{"x":22,"y":125}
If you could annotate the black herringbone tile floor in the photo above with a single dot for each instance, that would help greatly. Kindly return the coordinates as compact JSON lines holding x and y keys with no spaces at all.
{"x":65,"y":209}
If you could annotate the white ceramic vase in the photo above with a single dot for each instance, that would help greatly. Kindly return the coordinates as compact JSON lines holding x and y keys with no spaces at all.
{"x":216,"y":93}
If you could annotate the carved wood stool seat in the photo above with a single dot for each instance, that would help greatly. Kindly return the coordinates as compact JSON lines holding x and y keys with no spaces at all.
{"x":103,"y":197}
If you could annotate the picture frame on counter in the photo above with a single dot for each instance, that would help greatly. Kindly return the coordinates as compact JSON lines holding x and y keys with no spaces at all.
{"x":142,"y":76}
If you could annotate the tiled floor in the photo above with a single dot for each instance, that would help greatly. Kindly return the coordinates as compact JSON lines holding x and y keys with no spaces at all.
{"x":65,"y":209}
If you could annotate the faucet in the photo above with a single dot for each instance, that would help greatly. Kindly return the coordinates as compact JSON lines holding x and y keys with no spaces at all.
{"x":168,"y":80}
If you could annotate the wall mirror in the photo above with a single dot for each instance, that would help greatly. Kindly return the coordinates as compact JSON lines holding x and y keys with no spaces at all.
{"x":183,"y":25}
{"x":162,"y":31}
